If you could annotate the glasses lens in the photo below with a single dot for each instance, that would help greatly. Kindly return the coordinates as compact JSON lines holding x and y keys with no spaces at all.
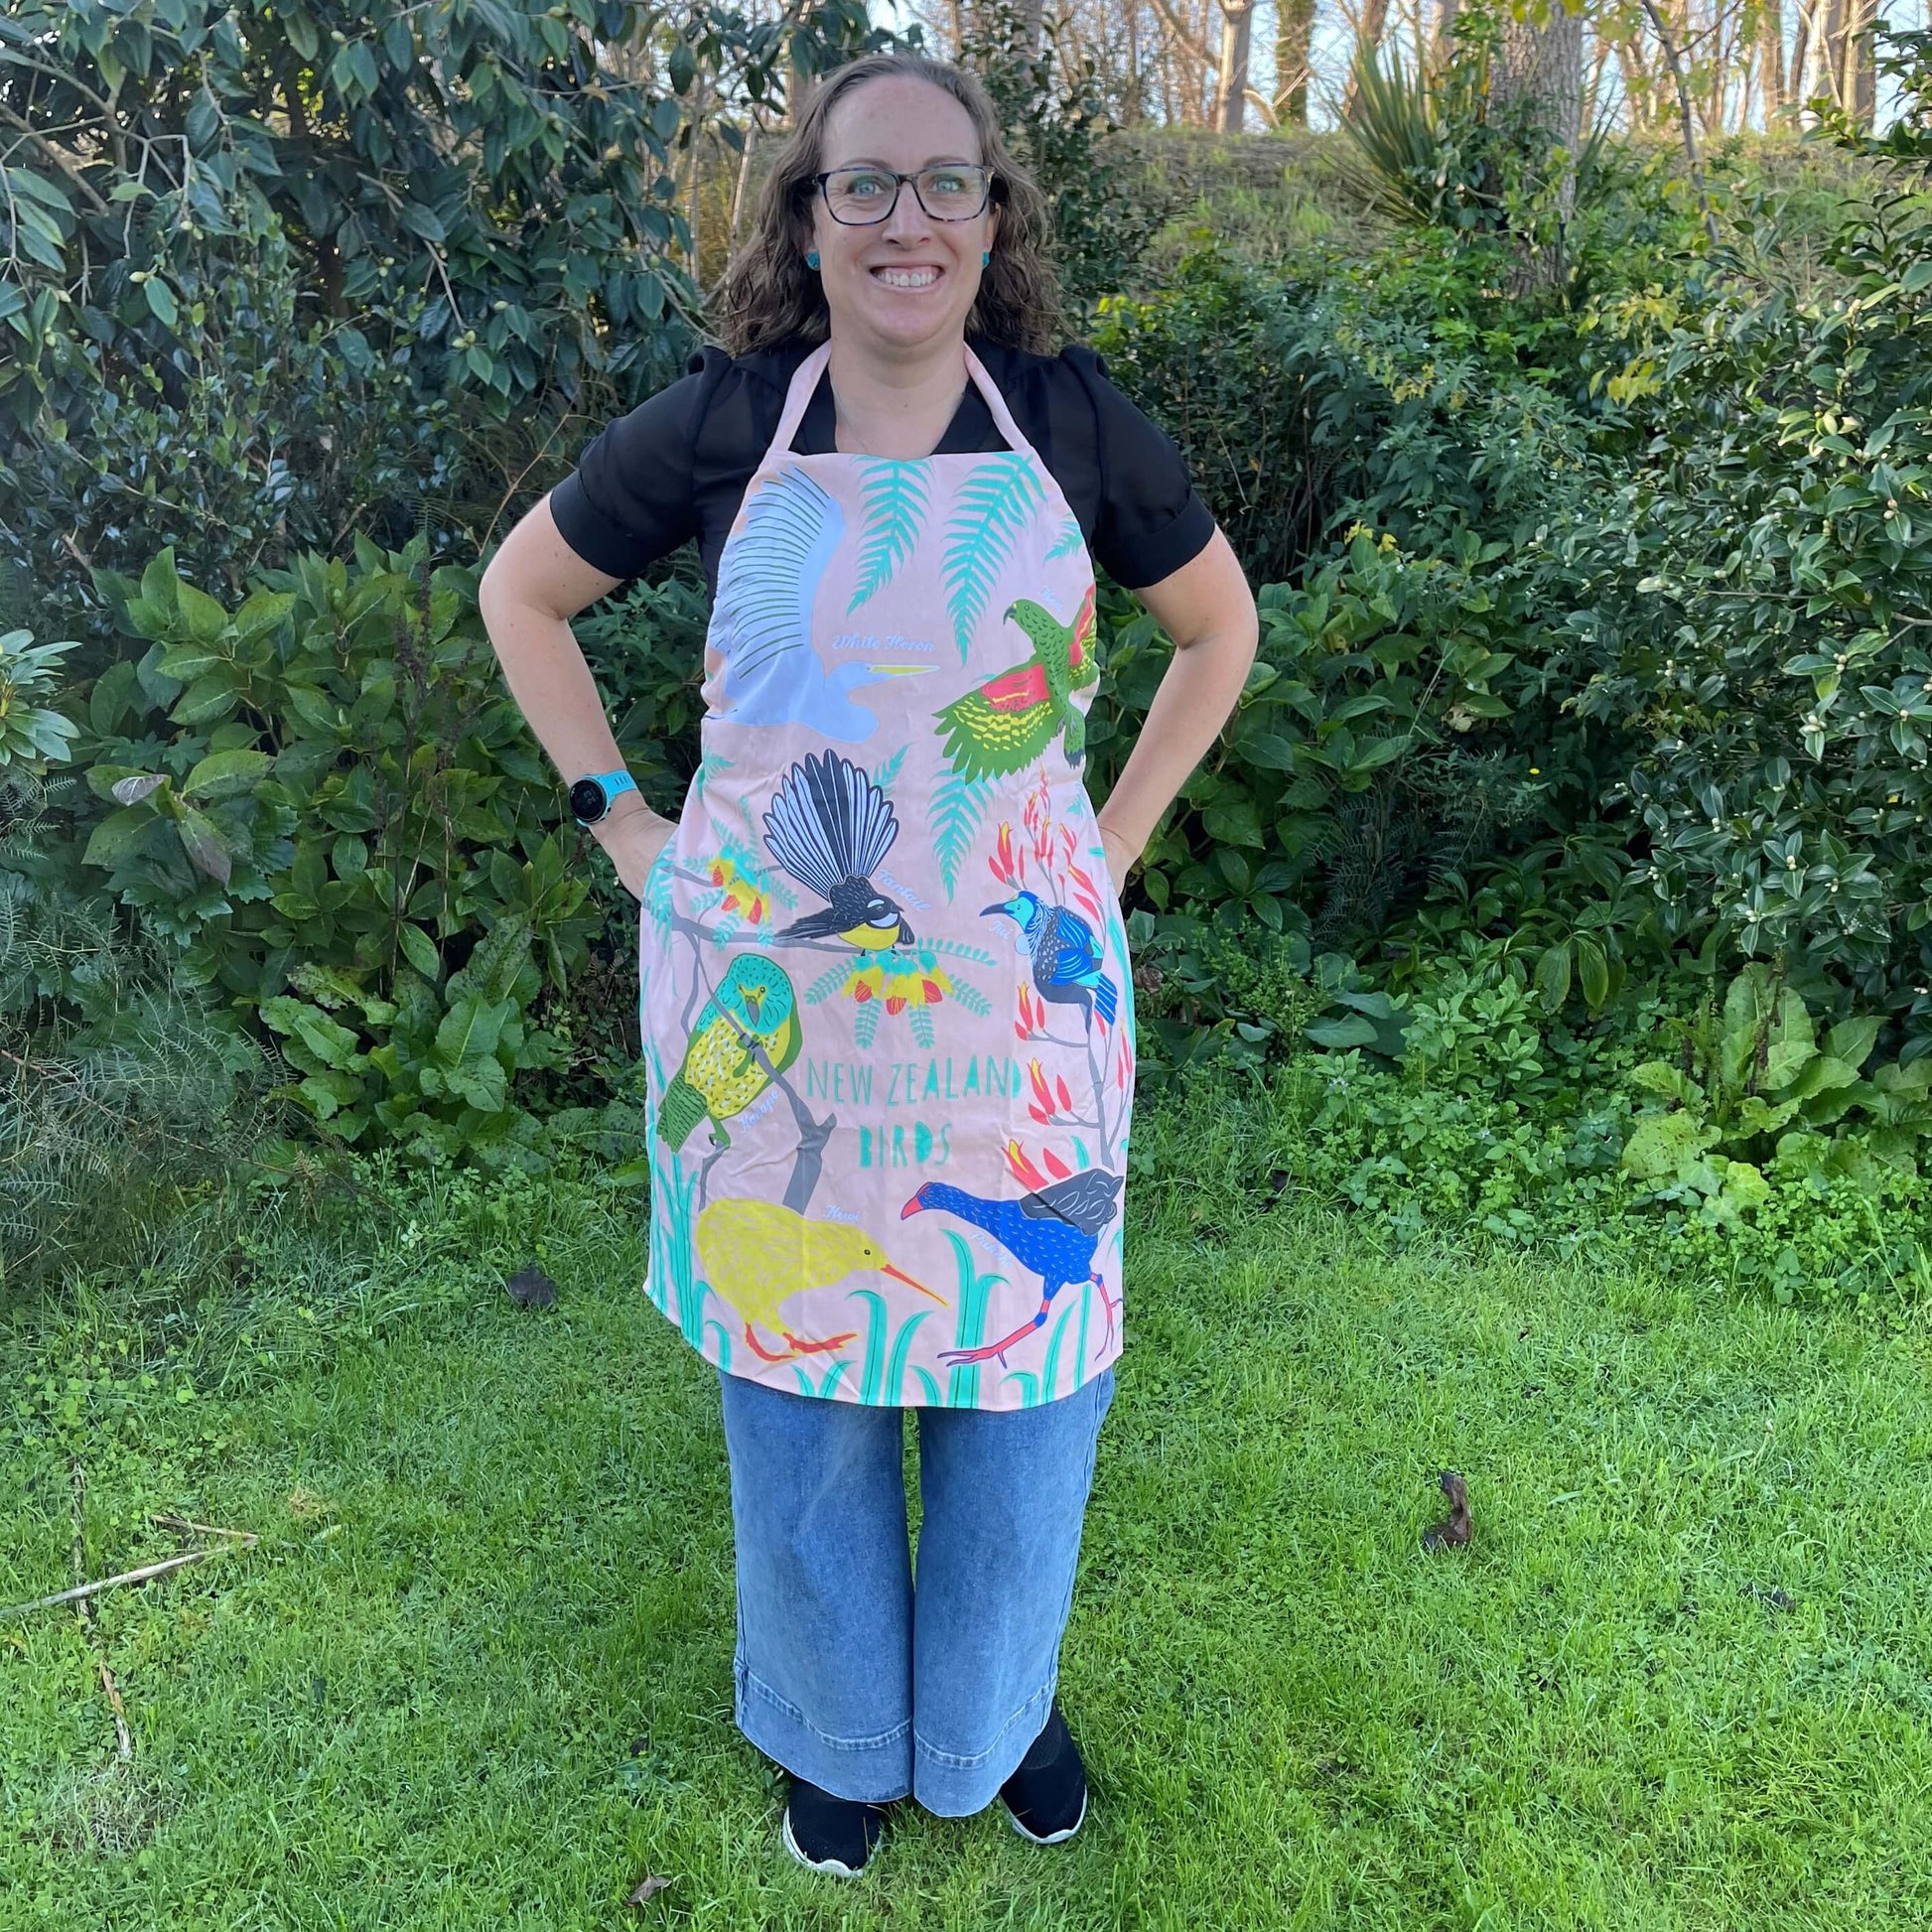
{"x":860,"y":194}
{"x":953,"y":194}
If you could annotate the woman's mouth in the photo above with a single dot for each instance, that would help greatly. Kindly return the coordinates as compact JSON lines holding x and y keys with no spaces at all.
{"x":894,"y":277}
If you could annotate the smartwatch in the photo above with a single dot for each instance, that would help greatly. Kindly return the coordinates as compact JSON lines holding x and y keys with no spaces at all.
{"x":590,"y":798}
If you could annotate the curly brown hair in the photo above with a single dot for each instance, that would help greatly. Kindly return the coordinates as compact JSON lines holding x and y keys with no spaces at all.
{"x":769,"y":295}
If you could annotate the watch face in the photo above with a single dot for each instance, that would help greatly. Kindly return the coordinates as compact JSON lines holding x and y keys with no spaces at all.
{"x":587,"y":801}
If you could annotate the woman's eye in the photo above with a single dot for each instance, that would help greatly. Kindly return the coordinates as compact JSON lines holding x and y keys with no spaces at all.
{"x":866,"y":185}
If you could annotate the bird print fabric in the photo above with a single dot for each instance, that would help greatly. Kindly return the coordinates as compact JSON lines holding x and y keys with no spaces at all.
{"x":830,"y":827}
{"x":1004,"y":724}
{"x":885,"y":998}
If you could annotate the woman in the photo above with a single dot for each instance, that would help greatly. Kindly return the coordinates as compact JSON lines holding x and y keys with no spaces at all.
{"x":887,"y":1008}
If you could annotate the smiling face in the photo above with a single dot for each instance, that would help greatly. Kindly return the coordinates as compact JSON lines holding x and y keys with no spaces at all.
{"x":909,"y":281}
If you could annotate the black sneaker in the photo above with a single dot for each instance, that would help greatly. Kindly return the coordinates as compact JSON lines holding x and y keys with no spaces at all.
{"x":828,"y":1834}
{"x":1047,"y":1797}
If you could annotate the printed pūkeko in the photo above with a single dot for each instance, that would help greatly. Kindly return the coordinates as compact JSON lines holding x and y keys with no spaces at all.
{"x":1051,"y":1231}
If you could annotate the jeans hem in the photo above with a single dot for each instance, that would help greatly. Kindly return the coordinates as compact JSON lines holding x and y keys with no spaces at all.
{"x":951,"y":1786}
{"x":871,"y":1770}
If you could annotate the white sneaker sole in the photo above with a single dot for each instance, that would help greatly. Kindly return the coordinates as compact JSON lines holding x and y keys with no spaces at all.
{"x":1053,"y":1837}
{"x":832,"y":1868}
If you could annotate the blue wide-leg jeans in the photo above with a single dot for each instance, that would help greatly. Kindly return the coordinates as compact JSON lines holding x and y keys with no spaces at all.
{"x":847,"y":1674}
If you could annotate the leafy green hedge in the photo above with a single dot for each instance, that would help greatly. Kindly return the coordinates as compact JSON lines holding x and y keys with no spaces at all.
{"x":296,"y":230}
{"x":1617,"y":643}
{"x":326,"y":800}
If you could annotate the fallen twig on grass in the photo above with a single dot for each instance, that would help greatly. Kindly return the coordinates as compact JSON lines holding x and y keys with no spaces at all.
{"x":245,"y":1539}
{"x":166,"y":1519}
{"x":123,"y":1737}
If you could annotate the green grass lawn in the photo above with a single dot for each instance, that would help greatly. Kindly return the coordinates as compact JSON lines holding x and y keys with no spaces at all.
{"x":476,"y":1673}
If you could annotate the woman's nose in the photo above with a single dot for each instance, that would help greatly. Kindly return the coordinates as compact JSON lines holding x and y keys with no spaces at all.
{"x":908,"y":220}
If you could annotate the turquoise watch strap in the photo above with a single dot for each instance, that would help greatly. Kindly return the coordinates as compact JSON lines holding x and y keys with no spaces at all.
{"x":591,"y":798}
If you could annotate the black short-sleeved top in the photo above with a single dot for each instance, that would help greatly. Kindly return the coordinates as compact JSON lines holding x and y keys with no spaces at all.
{"x":675,"y":468}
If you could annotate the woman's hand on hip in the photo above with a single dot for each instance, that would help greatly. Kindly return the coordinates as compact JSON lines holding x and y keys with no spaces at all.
{"x":634,"y":838}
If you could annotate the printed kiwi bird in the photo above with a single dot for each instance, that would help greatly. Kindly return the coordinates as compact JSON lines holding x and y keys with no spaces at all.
{"x":758,"y":1255}
{"x":767,"y":583}
{"x":830,"y":826}
{"x":1066,"y":956}
{"x":755,"y":1009}
{"x":1053,"y":1231}
{"x":1005,"y":724}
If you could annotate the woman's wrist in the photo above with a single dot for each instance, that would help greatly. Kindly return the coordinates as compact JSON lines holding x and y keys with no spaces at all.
{"x":1110,"y":829}
{"x":629,"y":814}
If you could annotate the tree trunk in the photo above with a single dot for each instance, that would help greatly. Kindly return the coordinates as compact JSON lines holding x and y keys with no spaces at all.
{"x":1030,"y":22}
{"x":1197,"y":89}
{"x":1859,"y":71}
{"x":1536,"y":74}
{"x":1444,"y":37}
{"x":1770,"y":43}
{"x":1838,"y":59}
{"x":1541,"y":70}
{"x":1798,"y":75}
{"x":1369,"y":30}
{"x":1294,"y":44}
{"x":1237,"y":24}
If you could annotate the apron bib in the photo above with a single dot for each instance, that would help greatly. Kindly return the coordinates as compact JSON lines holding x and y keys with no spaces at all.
{"x":885,"y":990}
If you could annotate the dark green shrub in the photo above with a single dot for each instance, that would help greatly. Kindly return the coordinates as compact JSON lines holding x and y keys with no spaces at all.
{"x":326,"y":800}
{"x":477,"y":208}
{"x":1759,"y":593}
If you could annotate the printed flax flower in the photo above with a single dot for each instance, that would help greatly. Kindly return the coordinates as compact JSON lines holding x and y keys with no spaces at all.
{"x":1052,"y":1100}
{"x":1035,"y":1174}
{"x":1007,"y":866}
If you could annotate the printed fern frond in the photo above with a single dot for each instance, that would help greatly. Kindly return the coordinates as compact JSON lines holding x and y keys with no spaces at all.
{"x":885,"y":772}
{"x":959,"y":807}
{"x":958,"y":949}
{"x":895,"y":507}
{"x":710,"y":763}
{"x":828,"y":982}
{"x":991,"y":512}
{"x":1069,"y":540}
{"x":971,"y":998}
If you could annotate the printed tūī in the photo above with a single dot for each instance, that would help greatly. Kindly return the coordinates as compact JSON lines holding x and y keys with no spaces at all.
{"x":1065,"y":953}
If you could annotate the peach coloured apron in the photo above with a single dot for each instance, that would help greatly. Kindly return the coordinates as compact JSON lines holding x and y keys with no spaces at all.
{"x":886,"y":997}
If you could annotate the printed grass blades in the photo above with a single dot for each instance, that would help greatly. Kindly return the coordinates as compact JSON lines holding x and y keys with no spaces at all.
{"x":975,"y":1295}
{"x":884,"y":1375}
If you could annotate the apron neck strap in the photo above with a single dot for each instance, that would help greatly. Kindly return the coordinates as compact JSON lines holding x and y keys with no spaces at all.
{"x":797,"y":399}
{"x":996,"y":406}
{"x":805,"y":385}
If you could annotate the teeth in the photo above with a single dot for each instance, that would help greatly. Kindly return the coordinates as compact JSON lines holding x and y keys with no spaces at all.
{"x":908,"y":278}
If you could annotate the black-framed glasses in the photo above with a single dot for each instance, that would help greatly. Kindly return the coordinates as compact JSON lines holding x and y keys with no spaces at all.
{"x":948,"y":191}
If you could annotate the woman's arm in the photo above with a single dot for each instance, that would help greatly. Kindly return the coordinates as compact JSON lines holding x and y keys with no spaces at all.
{"x":1207,"y":608}
{"x":535,"y":583}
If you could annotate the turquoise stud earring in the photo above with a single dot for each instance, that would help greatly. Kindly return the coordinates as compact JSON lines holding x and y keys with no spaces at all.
{"x":986,"y":257}
{"x":811,"y":260}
